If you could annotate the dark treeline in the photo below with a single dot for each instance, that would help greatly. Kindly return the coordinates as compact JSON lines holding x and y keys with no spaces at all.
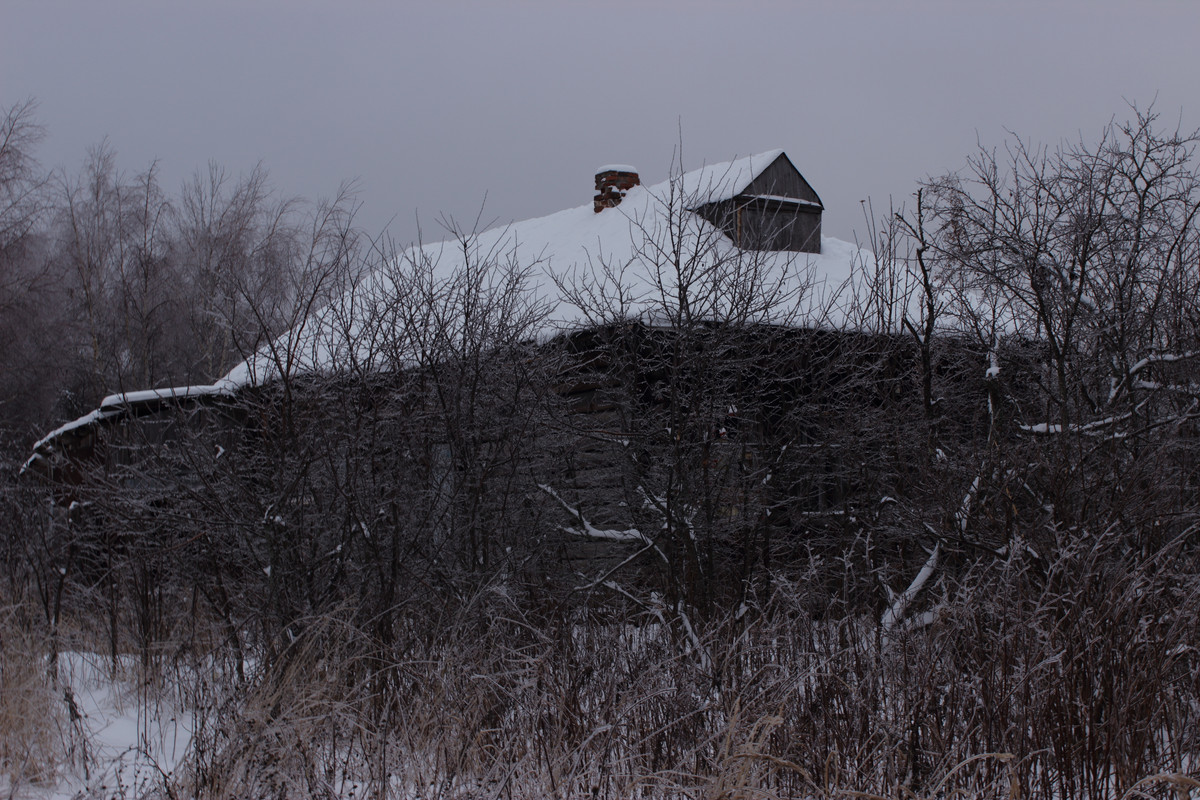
{"x":109,"y":283}
{"x":935,"y":536}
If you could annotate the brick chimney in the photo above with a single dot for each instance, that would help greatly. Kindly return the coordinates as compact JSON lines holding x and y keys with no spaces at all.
{"x":612,"y":182}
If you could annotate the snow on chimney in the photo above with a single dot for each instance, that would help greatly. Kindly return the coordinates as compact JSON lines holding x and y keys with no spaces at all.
{"x":612,"y":182}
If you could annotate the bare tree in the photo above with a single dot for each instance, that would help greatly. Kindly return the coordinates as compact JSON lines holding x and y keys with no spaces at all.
{"x":21,"y":181}
{"x":34,"y":306}
{"x":1083,"y":259}
{"x":238,"y":244}
{"x":109,"y":237}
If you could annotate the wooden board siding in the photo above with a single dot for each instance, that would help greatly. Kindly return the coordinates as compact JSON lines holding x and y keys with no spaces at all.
{"x":793,"y":388}
{"x":783,"y":179}
{"x":766,"y":225}
{"x":770,"y":434}
{"x":758,"y":224}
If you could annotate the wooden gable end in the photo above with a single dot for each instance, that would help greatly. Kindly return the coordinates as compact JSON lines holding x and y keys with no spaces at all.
{"x":778,"y":210}
{"x":782,"y":179}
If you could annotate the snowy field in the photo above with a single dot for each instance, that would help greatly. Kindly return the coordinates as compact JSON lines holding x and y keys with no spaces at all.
{"x":115,"y":738}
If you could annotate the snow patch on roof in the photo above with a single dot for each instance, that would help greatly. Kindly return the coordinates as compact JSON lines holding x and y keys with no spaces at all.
{"x":724,"y":181}
{"x":173,"y":393}
{"x":87,"y":419}
{"x":778,"y":198}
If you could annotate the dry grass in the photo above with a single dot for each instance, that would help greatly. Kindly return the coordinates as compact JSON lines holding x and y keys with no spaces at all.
{"x":490,"y":700}
{"x":1067,"y":679}
{"x":1069,"y":675}
{"x":32,"y":712}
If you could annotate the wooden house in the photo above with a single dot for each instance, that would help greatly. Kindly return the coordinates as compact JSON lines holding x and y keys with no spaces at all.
{"x":661,"y":366}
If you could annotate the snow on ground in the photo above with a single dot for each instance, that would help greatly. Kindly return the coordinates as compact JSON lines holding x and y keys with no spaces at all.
{"x":119,"y":740}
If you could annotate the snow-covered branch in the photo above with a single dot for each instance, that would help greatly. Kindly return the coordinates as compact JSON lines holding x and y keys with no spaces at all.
{"x":964,"y":510}
{"x":1047,"y":428}
{"x":1141,"y":365}
{"x":895,"y":613}
{"x":1162,"y":358}
{"x":587,"y":530}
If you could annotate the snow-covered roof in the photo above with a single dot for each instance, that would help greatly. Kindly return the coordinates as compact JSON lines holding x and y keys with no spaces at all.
{"x":116,"y":404}
{"x":575,"y":247}
{"x":145,"y":395}
{"x":717,"y":182}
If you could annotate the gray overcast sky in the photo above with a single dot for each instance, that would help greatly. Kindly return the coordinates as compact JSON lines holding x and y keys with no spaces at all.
{"x":431,"y":105}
